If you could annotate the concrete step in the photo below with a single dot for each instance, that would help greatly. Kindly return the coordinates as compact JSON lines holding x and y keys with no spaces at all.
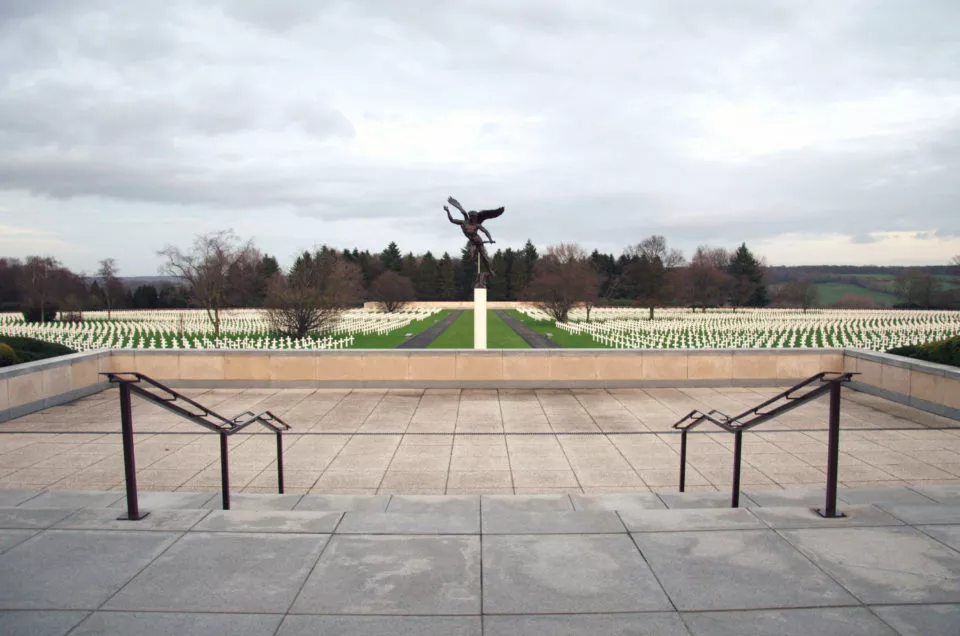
{"x":462,"y":514}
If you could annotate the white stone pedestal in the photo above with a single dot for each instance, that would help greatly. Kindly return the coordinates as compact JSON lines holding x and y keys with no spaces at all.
{"x":479,"y":318}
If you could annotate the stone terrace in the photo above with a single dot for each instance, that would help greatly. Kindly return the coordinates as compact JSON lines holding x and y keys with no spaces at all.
{"x":452,"y":441}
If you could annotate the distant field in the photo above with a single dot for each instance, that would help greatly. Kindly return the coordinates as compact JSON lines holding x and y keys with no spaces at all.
{"x":829,"y":293}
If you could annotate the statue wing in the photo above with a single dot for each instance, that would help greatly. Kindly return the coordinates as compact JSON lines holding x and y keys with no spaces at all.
{"x":483,"y":215}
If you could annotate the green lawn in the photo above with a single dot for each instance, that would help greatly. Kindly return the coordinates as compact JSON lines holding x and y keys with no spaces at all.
{"x":563,"y":338}
{"x":459,"y":335}
{"x":397,"y":336}
{"x":828,"y":293}
{"x":501,"y":336}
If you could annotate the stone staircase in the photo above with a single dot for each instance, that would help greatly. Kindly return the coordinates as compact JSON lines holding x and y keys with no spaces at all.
{"x":477,"y":514}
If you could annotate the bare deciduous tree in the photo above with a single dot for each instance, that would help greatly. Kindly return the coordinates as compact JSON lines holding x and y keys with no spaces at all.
{"x":38,"y":279}
{"x":562,"y":279}
{"x":111,"y":287}
{"x":392,"y":291}
{"x":207,"y":268}
{"x":312,"y":297}
{"x":707,"y":283}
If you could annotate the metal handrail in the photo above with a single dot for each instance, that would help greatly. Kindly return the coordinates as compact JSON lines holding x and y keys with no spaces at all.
{"x":821,"y":383}
{"x":137,"y":383}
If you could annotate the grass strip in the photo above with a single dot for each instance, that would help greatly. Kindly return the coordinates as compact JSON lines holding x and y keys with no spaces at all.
{"x":393,"y":338}
{"x":563,"y":338}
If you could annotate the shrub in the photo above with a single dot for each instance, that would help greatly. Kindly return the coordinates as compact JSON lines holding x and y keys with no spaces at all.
{"x":7,"y":356}
{"x":941,"y":351}
{"x":32,"y":314}
{"x":29,"y":349}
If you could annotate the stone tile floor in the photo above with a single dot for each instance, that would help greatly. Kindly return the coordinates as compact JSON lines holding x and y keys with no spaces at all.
{"x":476,"y":441}
{"x":472,"y":565}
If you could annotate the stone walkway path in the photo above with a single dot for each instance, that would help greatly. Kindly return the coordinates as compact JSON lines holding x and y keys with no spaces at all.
{"x":426,"y":337}
{"x":481,"y":566}
{"x":531,"y":337}
{"x":370,"y":441}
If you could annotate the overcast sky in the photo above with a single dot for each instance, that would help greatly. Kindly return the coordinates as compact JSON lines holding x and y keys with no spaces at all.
{"x":818,"y":131}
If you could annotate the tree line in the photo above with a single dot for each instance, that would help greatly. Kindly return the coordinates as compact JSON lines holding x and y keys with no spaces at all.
{"x":220,"y":270}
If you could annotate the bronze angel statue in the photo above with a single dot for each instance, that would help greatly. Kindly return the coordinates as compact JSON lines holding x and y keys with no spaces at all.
{"x":471,"y":225}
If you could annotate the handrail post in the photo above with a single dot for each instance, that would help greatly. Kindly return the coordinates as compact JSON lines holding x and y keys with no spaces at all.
{"x":129,"y":461}
{"x":280,"y":460}
{"x":683,"y":459}
{"x":224,"y":472}
{"x":833,"y":454}
{"x":737,"y":453}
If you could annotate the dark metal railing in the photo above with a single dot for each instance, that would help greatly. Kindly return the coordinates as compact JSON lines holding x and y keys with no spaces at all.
{"x":165,"y":397}
{"x":797,"y":395}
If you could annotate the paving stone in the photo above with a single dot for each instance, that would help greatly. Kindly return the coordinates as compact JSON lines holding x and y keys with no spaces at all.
{"x":166,"y":624}
{"x":395,"y":575}
{"x":800,"y":517}
{"x":944,"y":493}
{"x":741,"y":569}
{"x":251,"y":501}
{"x":949,"y":534}
{"x":618,"y":501}
{"x":298,"y":521}
{"x":881,"y":495}
{"x":791,"y":496}
{"x":678,"y":500}
{"x":823,"y":621}
{"x":161,"y":500}
{"x":446,"y":504}
{"x":922,"y":620}
{"x":11,"y":538}
{"x":926,"y":514}
{"x":381,"y":625}
{"x":686,"y":519}
{"x":73,"y":569}
{"x":106,"y":519}
{"x":413,"y":523}
{"x":38,"y":623}
{"x":567,"y":573}
{"x":344,"y":503}
{"x":559,"y":522}
{"x":10,"y":498}
{"x":30,"y":518}
{"x":531,"y":503}
{"x":215,"y":572}
{"x":884,"y":565}
{"x":73,"y":499}
{"x":658,"y":623}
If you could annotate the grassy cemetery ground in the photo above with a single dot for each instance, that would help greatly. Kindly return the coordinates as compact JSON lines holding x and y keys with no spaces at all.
{"x":563,"y":338}
{"x":672,"y":328}
{"x":396,"y":337}
{"x":460,"y":334}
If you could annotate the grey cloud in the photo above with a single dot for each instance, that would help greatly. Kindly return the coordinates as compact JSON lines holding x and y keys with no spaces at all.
{"x":585,"y":116}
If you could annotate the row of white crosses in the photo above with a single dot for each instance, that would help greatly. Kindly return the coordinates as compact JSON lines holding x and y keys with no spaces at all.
{"x":760,"y":328}
{"x":192,"y":329}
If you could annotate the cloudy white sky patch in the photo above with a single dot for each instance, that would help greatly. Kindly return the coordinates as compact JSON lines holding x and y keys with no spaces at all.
{"x":798,"y":127}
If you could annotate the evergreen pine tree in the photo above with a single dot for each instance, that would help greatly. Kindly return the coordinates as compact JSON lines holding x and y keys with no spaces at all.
{"x":427,"y":282}
{"x":390,"y":257}
{"x":447,"y":276}
{"x":747,"y":273}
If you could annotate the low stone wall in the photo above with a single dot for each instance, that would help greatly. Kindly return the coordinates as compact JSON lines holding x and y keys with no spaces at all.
{"x":38,"y":385}
{"x":501,"y":368}
{"x":33,"y":386}
{"x":923,"y":385}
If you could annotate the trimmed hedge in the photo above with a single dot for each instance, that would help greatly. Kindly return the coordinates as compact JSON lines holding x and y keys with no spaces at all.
{"x":29,"y":349}
{"x":942,"y":351}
